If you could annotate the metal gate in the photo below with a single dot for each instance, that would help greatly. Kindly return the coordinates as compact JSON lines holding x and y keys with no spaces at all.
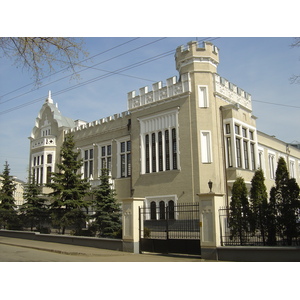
{"x":170,"y":229}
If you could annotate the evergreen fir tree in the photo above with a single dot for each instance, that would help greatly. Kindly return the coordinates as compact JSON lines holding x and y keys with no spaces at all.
{"x":258,"y":200}
{"x":107,"y":210}
{"x":286,"y":201}
{"x":69,"y":189}
{"x":34,"y":210}
{"x":8,"y":215}
{"x":239,"y":210}
{"x":271,"y":219}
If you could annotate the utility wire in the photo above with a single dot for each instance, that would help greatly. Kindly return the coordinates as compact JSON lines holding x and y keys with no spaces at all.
{"x":76,"y":64}
{"x":159,"y":56}
{"x":87,"y":68}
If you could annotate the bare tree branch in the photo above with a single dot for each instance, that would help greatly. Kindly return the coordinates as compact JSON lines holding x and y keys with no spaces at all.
{"x":42,"y":54}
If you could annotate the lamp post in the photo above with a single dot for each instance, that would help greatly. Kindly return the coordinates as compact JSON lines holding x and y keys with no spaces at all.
{"x":210,"y":184}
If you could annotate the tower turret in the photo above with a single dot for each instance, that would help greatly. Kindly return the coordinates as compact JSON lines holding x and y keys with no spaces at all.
{"x":194,"y":58}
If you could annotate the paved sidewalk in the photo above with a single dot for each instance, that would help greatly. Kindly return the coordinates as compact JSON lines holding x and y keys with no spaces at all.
{"x":97,"y":254}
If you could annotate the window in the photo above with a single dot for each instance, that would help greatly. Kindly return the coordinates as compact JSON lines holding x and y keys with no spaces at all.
{"x":252,"y":153}
{"x":272,"y":166}
{"x":162,"y":210}
{"x":125,"y":159}
{"x":174,"y":144}
{"x":147,"y":154}
{"x":159,"y":143}
{"x":161,"y":207}
{"x":167,"y":147}
{"x":153,"y":143}
{"x":292,"y":169}
{"x":49,"y":158}
{"x":227,"y":128}
{"x":105,"y":157}
{"x":88,"y":161}
{"x":238,"y":153}
{"x":246,"y":156}
{"x":229,"y":152}
{"x":153,"y":210}
{"x":203,"y":97}
{"x":160,"y":152}
{"x":49,"y":170}
{"x":171,"y":210}
{"x":206,"y":147}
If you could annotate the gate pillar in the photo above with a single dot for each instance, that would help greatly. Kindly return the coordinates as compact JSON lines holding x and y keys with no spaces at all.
{"x":210,"y":223}
{"x":130,"y":223}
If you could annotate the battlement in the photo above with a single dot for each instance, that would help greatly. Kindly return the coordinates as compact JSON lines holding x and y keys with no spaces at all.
{"x":98,"y":122}
{"x":159,"y":92}
{"x":232,"y":93}
{"x":195,"y":52}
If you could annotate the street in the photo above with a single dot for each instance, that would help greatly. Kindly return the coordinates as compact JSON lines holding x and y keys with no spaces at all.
{"x":22,"y":250}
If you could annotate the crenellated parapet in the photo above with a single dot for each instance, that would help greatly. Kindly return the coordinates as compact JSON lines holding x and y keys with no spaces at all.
{"x":99,"y":122}
{"x":195,"y":56}
{"x":159,"y":92}
{"x":232,"y":93}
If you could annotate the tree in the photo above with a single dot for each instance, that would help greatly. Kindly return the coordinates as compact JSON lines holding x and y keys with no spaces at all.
{"x":33,"y":53}
{"x":8,"y":215}
{"x":287,"y":201}
{"x":107,"y":216}
{"x":34,"y":210}
{"x":259,"y":202}
{"x":296,"y":43}
{"x":239,"y":210}
{"x":69,"y":189}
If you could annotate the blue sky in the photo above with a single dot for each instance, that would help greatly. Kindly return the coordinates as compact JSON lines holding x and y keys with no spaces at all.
{"x":260,"y":66}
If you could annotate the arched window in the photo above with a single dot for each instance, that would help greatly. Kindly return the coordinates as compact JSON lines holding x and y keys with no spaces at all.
{"x":171,"y":210}
{"x":153,"y":210}
{"x":162,"y":210}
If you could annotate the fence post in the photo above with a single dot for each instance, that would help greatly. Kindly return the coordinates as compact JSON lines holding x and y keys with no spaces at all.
{"x":209,"y":217}
{"x":130,"y":224}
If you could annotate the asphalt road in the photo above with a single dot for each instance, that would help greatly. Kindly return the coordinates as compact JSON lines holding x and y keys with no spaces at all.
{"x":22,"y":250}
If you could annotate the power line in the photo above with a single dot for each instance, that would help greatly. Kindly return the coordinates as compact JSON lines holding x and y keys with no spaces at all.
{"x":87,"y":68}
{"x":111,"y":73}
{"x":278,"y":104}
{"x":79,"y":63}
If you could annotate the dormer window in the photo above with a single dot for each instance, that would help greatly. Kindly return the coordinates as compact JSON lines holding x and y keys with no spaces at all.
{"x":46,"y":131}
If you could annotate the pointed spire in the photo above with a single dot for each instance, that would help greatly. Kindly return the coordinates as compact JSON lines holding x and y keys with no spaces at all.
{"x":49,"y":99}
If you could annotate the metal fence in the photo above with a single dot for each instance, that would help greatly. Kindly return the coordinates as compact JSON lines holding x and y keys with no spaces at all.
{"x":249,"y":238}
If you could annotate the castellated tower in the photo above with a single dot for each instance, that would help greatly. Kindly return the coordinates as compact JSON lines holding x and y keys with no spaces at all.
{"x":194,"y":58}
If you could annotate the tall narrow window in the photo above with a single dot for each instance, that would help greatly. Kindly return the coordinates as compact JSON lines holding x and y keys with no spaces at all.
{"x":167,"y":147}
{"x":153,"y":210}
{"x":88,"y":163}
{"x":125,"y":158}
{"x":205,"y":147}
{"x":162,"y":210}
{"x":160,"y":152}
{"x":203,"y":99}
{"x":238,"y":153}
{"x":229,"y":152}
{"x":252,"y":151}
{"x":147,"y":154}
{"x":153,"y":153}
{"x":49,"y":170}
{"x":174,"y":148}
{"x":271,"y":166}
{"x":246,"y":157}
{"x":171,"y":210}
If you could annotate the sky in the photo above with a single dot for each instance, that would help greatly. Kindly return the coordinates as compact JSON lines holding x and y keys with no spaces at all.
{"x":261,"y":66}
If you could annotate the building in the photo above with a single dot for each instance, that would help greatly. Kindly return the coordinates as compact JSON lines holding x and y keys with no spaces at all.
{"x":172,"y":141}
{"x":18,"y":192}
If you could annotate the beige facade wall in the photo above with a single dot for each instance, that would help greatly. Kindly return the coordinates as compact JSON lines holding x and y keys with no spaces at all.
{"x":200,"y":127}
